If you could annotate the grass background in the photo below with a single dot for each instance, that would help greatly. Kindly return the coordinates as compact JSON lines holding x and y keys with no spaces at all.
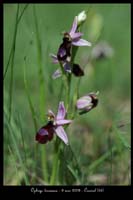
{"x":100,"y":139}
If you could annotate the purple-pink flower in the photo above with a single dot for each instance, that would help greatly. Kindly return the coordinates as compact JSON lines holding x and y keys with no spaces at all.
{"x":54,"y":126}
{"x":87,"y":103}
{"x":71,"y":38}
{"x":76,"y":36}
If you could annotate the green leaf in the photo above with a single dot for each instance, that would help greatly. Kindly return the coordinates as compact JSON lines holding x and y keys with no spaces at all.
{"x":69,"y":170}
{"x":122,"y":138}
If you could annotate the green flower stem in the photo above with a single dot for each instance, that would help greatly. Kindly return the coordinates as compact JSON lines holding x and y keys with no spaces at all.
{"x":43,"y":163}
{"x":68,"y":91}
{"x":75,"y":97}
{"x":74,"y":52}
{"x":76,"y":92}
{"x":55,"y":161}
{"x":67,"y":82}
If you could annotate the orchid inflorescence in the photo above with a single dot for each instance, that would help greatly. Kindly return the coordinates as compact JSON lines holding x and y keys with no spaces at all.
{"x":84,"y":104}
{"x":71,"y":38}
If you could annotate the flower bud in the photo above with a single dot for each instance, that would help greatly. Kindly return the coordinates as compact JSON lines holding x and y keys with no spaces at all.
{"x":81,"y":17}
{"x":87,"y":103}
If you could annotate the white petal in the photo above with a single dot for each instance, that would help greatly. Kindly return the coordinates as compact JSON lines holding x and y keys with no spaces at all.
{"x":81,"y":17}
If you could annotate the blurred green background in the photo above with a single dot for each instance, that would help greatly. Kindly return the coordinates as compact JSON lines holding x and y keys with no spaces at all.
{"x":100,"y":139}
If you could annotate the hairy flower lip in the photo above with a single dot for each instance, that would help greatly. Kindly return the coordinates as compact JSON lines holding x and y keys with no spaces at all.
{"x":45,"y":133}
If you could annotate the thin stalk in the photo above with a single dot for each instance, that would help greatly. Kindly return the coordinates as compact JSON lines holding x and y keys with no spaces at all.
{"x":60,"y":92}
{"x":44,"y":163}
{"x":11,"y":51}
{"x":58,"y":141}
{"x":16,"y":149}
{"x":40,"y":67}
{"x":32,"y":113}
{"x":68,"y":91}
{"x":76,"y":95}
{"x":67,"y":82}
{"x":12,"y":65}
{"x":66,"y":78}
{"x":55,"y":161}
{"x":23,"y":141}
{"x":42,"y":92}
{"x":29,"y":100}
{"x":19,"y":18}
{"x":110,"y":160}
{"x":99,"y":161}
{"x":14,"y":162}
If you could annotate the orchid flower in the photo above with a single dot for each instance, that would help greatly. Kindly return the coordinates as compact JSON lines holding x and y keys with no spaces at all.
{"x":54,"y":126}
{"x":87,"y":102}
{"x":71,"y":38}
{"x":76,"y":36}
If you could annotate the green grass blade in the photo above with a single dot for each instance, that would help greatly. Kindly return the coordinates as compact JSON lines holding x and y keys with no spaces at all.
{"x":13,"y":129}
{"x":23,"y":141}
{"x":12,"y":64}
{"x":29,"y":100}
{"x":122,"y":139}
{"x":14,"y":39}
{"x":14,"y":162}
{"x":41,"y":90}
{"x":40,"y":67}
{"x":101,"y":160}
{"x":19,"y":18}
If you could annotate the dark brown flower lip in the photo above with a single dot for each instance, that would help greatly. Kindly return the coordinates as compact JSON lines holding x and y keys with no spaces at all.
{"x":45,"y":133}
{"x":64,"y":50}
{"x":94,"y":100}
{"x":77,"y":71}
